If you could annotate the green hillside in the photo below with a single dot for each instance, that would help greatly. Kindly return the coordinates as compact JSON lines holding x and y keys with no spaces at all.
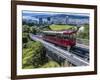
{"x":33,"y":54}
{"x":61,"y":27}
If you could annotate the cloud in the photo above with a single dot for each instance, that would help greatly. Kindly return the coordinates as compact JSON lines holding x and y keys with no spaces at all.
{"x":26,"y":17}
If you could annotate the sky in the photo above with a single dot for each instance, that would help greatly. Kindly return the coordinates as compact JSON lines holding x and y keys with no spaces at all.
{"x":32,"y":14}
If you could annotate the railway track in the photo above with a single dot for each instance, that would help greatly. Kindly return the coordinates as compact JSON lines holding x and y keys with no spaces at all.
{"x":78,"y":51}
{"x":77,"y":56}
{"x":81,"y":52}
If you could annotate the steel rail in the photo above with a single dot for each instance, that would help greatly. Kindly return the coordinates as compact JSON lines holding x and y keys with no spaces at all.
{"x":63,"y":53}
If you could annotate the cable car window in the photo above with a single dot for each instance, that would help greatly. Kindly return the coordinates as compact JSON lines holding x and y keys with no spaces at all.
{"x":74,"y":36}
{"x":65,"y":36}
{"x":58,"y":36}
{"x":71,"y":36}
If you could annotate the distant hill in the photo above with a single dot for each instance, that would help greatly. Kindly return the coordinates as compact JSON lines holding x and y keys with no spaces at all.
{"x":54,"y":15}
{"x":70,"y":16}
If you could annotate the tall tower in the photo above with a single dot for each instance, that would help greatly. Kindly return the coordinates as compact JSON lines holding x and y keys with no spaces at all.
{"x":40,"y":21}
{"x":67,"y":19}
{"x":48,"y":20}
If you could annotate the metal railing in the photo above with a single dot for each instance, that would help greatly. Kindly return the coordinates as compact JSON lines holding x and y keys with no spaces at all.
{"x":65,"y":54}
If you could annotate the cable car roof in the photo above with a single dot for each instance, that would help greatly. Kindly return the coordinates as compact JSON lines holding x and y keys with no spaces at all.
{"x":60,"y":32}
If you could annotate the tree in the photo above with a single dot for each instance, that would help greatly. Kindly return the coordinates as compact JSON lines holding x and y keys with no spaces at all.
{"x":34,"y":30}
{"x":25,"y":40}
{"x":33,"y":55}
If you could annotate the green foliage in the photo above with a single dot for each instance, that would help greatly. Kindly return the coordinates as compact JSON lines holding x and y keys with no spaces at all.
{"x":51,"y":64}
{"x":85,"y":33}
{"x":31,"y":29}
{"x":34,"y":30}
{"x":34,"y":57}
{"x":24,"y":38}
{"x":29,"y":67}
{"x":32,"y":51}
{"x":29,"y":24}
{"x":32,"y":54}
{"x":45,"y":28}
{"x":25,"y":28}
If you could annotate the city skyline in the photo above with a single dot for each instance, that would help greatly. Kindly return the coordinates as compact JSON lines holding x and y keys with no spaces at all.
{"x":55,"y":18}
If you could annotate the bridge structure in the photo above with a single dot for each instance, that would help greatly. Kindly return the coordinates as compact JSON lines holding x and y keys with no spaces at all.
{"x":59,"y":53}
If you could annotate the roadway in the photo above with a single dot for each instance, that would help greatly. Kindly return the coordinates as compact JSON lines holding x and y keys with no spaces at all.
{"x":82,"y":46}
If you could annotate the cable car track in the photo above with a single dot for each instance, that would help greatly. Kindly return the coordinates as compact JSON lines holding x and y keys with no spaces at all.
{"x":71,"y":57}
{"x":78,"y":51}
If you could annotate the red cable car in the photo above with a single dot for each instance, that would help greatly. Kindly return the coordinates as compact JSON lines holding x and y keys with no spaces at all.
{"x":62,"y":38}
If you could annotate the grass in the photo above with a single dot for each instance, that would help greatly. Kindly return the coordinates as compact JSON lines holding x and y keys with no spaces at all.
{"x":61,"y":27}
{"x":51,"y":64}
{"x":29,"y":67}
